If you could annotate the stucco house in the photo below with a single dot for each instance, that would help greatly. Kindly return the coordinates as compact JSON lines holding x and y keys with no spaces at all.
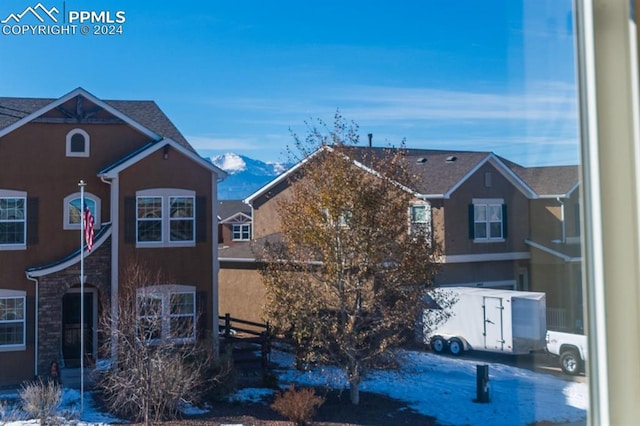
{"x":154,"y":202}
{"x":479,"y":207}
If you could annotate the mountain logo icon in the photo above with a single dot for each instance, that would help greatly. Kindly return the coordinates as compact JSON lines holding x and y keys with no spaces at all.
{"x":39,"y":11}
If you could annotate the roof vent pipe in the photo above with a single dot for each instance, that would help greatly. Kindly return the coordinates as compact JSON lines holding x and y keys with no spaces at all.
{"x":370,"y":136}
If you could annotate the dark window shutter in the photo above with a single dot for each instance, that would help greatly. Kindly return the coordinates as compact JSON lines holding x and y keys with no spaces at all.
{"x":505,"y":228}
{"x":201,"y":219}
{"x":32,"y":220}
{"x":202,"y":323}
{"x":472,"y":222}
{"x":130,"y":219}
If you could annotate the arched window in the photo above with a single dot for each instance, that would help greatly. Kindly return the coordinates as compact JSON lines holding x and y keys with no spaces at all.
{"x":77,"y":143}
{"x":73,"y":210}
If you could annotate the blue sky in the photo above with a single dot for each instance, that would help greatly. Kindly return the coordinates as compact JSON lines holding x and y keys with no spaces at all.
{"x":239,"y":76}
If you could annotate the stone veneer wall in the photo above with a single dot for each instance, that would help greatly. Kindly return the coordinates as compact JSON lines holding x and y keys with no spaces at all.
{"x":52,"y":288}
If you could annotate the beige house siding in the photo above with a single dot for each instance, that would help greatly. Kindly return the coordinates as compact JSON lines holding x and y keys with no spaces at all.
{"x":241,"y":292}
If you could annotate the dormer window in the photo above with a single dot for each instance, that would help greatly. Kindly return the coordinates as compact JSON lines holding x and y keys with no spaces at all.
{"x":77,"y":143}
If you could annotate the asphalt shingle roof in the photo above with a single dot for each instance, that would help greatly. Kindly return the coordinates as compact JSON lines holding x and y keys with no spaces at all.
{"x":228,"y":208}
{"x":146,"y":113}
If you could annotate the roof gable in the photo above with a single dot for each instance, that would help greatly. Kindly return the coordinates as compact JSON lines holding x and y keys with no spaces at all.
{"x":440,"y":172}
{"x":229,"y":208}
{"x":80,"y":106}
{"x":114,"y":169}
{"x":237,"y":218}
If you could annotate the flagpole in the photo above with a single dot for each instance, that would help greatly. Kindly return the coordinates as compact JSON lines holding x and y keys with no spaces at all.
{"x":82,"y":184}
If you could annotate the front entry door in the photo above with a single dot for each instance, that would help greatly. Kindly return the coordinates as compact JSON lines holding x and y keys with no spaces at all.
{"x":71,"y":328}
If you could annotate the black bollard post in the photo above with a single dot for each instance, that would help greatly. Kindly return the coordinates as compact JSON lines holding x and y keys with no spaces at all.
{"x":482,"y":384}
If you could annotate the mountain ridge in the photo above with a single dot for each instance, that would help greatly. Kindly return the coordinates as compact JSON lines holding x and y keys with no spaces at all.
{"x":245,"y":175}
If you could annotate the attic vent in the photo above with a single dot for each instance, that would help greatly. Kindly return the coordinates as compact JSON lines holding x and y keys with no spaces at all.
{"x":451,"y":158}
{"x":421,"y":160}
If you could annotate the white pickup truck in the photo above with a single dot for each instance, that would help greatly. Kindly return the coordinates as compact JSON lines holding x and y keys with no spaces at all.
{"x":571,"y":348}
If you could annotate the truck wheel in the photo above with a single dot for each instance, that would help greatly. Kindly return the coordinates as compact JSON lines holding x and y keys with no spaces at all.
{"x":455,"y":346}
{"x":570,"y":362}
{"x":438,"y":344}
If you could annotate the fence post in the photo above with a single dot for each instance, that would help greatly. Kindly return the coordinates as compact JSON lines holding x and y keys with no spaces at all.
{"x":227,"y":325}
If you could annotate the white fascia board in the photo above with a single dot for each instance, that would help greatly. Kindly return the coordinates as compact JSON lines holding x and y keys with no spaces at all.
{"x":160,"y":145}
{"x":484,"y":257}
{"x":503,"y":169}
{"x":285,"y":175}
{"x":566,"y":195}
{"x":80,"y":91}
{"x":237,"y":259}
{"x":233,"y":218}
{"x":269,"y":185}
{"x":553,"y":252}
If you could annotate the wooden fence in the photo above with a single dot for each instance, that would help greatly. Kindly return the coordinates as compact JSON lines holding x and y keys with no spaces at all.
{"x":245,"y":337}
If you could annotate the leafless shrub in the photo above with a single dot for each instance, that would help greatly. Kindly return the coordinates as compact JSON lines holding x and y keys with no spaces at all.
{"x":298,"y":405}
{"x":152,"y":376}
{"x":8,"y":413}
{"x":41,"y":399}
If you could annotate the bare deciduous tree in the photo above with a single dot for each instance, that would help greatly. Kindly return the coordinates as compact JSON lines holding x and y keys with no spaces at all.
{"x":154,"y":373}
{"x":347,"y":279}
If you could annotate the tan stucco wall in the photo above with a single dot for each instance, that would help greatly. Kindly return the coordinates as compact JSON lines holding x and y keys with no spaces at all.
{"x":241,"y":292}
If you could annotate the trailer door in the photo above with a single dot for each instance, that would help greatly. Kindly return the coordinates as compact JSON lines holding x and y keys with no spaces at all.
{"x":493,"y":335}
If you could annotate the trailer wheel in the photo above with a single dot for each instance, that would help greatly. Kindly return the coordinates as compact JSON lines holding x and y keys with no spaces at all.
{"x":438,"y":344}
{"x":455,"y":346}
{"x":570,"y":362}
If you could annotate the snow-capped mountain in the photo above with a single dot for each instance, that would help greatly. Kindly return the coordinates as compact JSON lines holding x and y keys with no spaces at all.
{"x":246,"y":175}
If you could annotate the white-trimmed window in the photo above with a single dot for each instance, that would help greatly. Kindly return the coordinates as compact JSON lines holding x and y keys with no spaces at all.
{"x":165,"y":217}
{"x":13,"y":330}
{"x":420,"y":219}
{"x":73,"y":210}
{"x":488,"y":220}
{"x":13,"y":219}
{"x":343,"y":219}
{"x":167,"y":312}
{"x":241,"y":231}
{"x":77,"y":143}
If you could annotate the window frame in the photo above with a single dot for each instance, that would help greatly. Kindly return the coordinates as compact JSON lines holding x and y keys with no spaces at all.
{"x":16,"y":295}
{"x":87,"y":143}
{"x":487,"y":203}
{"x":241,"y":232}
{"x":67,"y":225}
{"x":413,"y":224}
{"x":166,"y":195}
{"x":21,"y":195}
{"x":164,"y":293}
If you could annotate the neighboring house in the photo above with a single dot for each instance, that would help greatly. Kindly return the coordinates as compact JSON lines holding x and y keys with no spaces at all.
{"x":154,"y":203}
{"x":554,"y":241}
{"x":477,"y":205}
{"x":241,"y":291}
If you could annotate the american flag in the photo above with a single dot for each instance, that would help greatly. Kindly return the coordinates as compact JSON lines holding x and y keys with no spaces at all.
{"x":88,"y":227}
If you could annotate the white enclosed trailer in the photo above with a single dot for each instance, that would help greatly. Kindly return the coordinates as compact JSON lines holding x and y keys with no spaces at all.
{"x":482,"y":319}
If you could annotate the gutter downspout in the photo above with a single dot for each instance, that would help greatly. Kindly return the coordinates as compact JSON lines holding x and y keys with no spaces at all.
{"x":115,"y":223}
{"x":562,"y":221}
{"x":35,"y":351}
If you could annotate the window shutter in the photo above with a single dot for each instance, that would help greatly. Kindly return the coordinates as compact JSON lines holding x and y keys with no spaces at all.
{"x":201,"y":219}
{"x":472,"y":222}
{"x":505,"y":228}
{"x":32,"y":220}
{"x":130,"y":220}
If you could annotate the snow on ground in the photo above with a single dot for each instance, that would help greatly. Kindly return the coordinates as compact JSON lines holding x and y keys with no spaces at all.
{"x":434,"y":385}
{"x":445,"y":387}
{"x":70,"y":407}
